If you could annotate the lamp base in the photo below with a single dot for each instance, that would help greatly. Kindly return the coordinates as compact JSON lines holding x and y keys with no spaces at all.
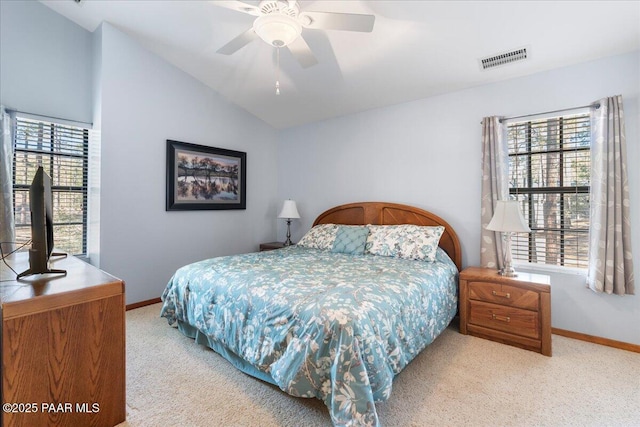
{"x":508,"y":272}
{"x":288,"y":242}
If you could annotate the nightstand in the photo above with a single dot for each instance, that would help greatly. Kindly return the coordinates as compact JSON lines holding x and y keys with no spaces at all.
{"x":271,"y":246}
{"x":510,"y":310}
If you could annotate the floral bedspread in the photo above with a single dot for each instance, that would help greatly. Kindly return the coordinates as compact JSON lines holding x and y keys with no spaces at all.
{"x":332,"y":326}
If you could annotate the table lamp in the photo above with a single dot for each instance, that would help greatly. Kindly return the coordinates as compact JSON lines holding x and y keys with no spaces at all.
{"x":289,"y":211}
{"x":508,"y":219}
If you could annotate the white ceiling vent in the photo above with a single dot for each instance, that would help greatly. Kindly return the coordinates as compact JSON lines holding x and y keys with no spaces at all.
{"x":504,"y":58}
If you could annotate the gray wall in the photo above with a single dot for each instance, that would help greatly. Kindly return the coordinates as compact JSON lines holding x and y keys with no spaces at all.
{"x":136,"y":102}
{"x":146,"y":101}
{"x":46,"y":62}
{"x":427,"y":153}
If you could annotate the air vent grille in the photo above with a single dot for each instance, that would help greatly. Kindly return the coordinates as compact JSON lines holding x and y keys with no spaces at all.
{"x":504,"y":58}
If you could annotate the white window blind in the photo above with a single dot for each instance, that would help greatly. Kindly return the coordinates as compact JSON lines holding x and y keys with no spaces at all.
{"x":550,"y":174}
{"x":62,"y":150}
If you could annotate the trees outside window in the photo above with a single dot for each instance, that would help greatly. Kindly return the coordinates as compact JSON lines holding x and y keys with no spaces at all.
{"x":549,"y":175}
{"x":62,"y":150}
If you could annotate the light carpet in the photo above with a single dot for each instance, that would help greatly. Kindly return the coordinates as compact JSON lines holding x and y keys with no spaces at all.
{"x":457,"y":381}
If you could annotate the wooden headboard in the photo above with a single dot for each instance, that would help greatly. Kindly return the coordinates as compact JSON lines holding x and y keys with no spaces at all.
{"x":381,"y":213}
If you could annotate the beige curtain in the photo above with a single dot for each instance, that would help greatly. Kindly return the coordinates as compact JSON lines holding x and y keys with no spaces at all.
{"x":610,"y":261}
{"x":495,"y":169}
{"x":7,"y":224}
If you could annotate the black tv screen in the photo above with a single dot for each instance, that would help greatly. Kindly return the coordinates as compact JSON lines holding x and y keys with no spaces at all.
{"x":41,"y":205}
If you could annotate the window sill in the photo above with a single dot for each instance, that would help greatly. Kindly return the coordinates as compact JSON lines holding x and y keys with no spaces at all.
{"x":542,"y":268}
{"x":83,"y":257}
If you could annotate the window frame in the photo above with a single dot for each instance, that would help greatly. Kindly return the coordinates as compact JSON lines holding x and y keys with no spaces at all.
{"x":562,"y":190}
{"x":54,"y":127}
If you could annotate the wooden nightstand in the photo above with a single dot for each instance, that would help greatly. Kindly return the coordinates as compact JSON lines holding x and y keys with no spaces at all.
{"x":510,"y":310}
{"x":271,"y":246}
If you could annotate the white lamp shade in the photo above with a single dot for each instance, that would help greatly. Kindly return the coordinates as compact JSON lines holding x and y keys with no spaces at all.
{"x":289,"y":210}
{"x":508,"y":218}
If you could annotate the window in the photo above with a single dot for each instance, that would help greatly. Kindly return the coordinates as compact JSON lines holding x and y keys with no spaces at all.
{"x":62,"y":151}
{"x":549,"y":174}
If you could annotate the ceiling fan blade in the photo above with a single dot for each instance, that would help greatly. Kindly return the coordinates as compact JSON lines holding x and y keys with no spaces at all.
{"x":337,"y":21}
{"x":302,"y":52}
{"x":239,"y":42}
{"x":237,"y":6}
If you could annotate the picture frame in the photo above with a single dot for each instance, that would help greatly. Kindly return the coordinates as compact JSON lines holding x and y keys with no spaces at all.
{"x":200,"y":177}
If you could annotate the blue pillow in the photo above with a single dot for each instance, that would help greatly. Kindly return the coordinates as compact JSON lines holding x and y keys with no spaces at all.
{"x":350,"y":240}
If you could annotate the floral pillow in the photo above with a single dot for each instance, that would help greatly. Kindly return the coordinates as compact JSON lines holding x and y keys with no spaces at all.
{"x":378,"y":243}
{"x":404,"y":241}
{"x":321,"y":236}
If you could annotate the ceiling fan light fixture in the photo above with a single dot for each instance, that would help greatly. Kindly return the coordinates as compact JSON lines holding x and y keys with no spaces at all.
{"x":276,"y":29}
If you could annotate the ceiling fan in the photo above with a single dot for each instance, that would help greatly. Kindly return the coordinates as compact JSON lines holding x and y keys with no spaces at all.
{"x":280,"y":24}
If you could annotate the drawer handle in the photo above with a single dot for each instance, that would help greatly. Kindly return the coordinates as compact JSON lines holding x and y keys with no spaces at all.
{"x":501,"y":318}
{"x":501,"y":294}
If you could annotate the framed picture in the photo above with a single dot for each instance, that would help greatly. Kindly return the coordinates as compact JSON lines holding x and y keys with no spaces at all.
{"x":201,"y":177}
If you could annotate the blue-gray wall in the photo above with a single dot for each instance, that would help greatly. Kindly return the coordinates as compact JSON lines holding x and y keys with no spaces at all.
{"x":146,"y":101}
{"x":427,"y":153}
{"x":136,"y":101}
{"x":46,"y":65}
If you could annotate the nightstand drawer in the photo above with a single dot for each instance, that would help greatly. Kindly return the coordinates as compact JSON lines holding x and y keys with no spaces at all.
{"x":504,"y":295}
{"x":506,"y":319}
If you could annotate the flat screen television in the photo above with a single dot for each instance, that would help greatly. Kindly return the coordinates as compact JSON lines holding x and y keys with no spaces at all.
{"x":41,"y":205}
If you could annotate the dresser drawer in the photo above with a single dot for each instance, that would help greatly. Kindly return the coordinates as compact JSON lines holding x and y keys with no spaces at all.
{"x":504,"y":295}
{"x":503,"y":318}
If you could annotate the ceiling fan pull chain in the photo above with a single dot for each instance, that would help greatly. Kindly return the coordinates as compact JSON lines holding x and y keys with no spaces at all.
{"x":277,"y":70}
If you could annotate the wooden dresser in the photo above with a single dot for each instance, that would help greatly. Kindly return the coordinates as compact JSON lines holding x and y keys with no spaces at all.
{"x":63,"y":346}
{"x":510,"y":310}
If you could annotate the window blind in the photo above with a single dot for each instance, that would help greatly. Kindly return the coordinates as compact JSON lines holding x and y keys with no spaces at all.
{"x":62,"y":150}
{"x":550,"y":174}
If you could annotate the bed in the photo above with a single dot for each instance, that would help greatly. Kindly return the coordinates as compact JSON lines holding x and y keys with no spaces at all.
{"x":333,"y":325}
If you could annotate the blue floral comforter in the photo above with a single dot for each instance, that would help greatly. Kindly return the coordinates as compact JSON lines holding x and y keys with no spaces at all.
{"x":319,"y":324}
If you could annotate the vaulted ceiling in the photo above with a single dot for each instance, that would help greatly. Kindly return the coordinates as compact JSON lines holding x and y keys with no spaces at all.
{"x":416,"y":49}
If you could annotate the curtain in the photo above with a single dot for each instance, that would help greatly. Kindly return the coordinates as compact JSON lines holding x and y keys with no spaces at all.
{"x":7,"y":225}
{"x":495,"y":169}
{"x":610,"y":262}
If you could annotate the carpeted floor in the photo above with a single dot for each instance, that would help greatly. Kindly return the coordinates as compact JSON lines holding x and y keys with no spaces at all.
{"x":457,"y":381}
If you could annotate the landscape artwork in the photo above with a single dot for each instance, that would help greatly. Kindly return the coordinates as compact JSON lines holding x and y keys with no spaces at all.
{"x":202,"y":177}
